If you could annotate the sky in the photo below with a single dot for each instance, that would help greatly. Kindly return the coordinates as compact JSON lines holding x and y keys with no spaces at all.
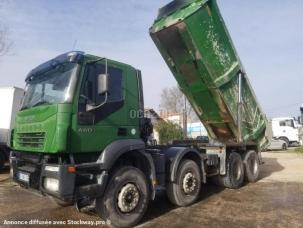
{"x":268,"y":37}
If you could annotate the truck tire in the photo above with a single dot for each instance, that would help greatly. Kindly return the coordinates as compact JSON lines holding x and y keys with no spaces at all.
{"x":125,"y":199}
{"x":251,"y":166}
{"x":62,"y":203}
{"x":234,"y":172}
{"x":186,"y":189}
{"x":2,"y":160}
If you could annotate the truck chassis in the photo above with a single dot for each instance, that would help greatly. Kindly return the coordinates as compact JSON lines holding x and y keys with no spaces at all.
{"x":92,"y":182}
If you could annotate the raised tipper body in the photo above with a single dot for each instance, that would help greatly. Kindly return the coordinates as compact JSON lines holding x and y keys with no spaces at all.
{"x":194,"y":42}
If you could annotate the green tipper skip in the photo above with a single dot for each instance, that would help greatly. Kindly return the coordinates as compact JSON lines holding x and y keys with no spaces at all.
{"x":196,"y":45}
{"x":82,"y":136}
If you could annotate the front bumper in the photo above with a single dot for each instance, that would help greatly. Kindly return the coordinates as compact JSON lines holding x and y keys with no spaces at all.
{"x":29,"y":171}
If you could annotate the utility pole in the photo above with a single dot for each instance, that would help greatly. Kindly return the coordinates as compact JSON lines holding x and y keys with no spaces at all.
{"x":185,"y":118}
{"x":301,"y":109}
{"x":239,"y":115}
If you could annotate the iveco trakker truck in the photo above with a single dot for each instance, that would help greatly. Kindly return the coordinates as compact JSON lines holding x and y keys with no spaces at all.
{"x":81,"y":136}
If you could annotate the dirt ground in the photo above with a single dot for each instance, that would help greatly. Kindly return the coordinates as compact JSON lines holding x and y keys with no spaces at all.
{"x":276,"y":200}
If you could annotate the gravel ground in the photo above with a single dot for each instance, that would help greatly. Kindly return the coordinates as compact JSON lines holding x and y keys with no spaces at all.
{"x":274,"y":201}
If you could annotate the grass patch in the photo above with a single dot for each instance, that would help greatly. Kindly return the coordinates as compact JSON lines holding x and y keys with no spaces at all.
{"x":299,"y":150}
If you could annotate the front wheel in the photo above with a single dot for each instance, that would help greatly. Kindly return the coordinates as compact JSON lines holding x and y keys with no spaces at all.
{"x":186,"y":189}
{"x":125,"y":199}
{"x":62,"y":203}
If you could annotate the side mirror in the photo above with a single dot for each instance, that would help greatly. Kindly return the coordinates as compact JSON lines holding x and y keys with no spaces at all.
{"x":103,"y":84}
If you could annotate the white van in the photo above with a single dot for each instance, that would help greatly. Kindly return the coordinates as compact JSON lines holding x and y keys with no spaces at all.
{"x":10,"y":103}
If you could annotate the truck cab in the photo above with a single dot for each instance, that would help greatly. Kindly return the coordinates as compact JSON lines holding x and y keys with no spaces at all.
{"x":75,"y":107}
{"x":287,"y":129}
{"x":64,"y":106}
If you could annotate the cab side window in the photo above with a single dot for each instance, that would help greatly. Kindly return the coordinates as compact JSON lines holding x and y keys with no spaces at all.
{"x":282,"y":123}
{"x":89,"y":91}
{"x":287,"y":123}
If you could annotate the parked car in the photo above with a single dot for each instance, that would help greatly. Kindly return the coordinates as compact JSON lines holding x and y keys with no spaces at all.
{"x":277,"y":144}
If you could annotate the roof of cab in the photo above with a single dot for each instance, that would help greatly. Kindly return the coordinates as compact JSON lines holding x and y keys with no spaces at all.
{"x":71,"y":56}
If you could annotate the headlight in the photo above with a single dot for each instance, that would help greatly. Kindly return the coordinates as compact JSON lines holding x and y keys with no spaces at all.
{"x":51,"y":184}
{"x":52,"y":168}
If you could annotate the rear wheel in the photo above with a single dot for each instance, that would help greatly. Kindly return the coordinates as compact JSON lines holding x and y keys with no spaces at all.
{"x":251,"y":165}
{"x":186,"y":189}
{"x":125,"y":199}
{"x":234,"y":172}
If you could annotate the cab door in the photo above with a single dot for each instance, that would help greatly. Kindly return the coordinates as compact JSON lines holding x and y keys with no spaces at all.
{"x":289,"y":130}
{"x":105,"y":119}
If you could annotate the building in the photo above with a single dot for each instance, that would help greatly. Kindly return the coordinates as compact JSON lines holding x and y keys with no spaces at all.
{"x":196,"y":129}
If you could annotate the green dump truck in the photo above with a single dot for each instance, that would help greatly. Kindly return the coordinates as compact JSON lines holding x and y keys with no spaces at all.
{"x":81,"y":136}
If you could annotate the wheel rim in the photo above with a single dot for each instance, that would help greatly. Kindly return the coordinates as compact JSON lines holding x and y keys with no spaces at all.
{"x":189,"y":183}
{"x":237,"y":172}
{"x":128,"y":198}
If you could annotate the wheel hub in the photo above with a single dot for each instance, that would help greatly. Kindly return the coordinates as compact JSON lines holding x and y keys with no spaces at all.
{"x":189,"y":183}
{"x":128,"y":198}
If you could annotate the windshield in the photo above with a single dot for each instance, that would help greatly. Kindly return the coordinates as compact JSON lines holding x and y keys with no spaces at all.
{"x":52,"y":87}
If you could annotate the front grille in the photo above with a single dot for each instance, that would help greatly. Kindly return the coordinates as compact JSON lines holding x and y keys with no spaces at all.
{"x":31,"y":140}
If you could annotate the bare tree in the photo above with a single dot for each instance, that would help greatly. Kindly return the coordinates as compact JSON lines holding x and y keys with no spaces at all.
{"x":173,"y":101}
